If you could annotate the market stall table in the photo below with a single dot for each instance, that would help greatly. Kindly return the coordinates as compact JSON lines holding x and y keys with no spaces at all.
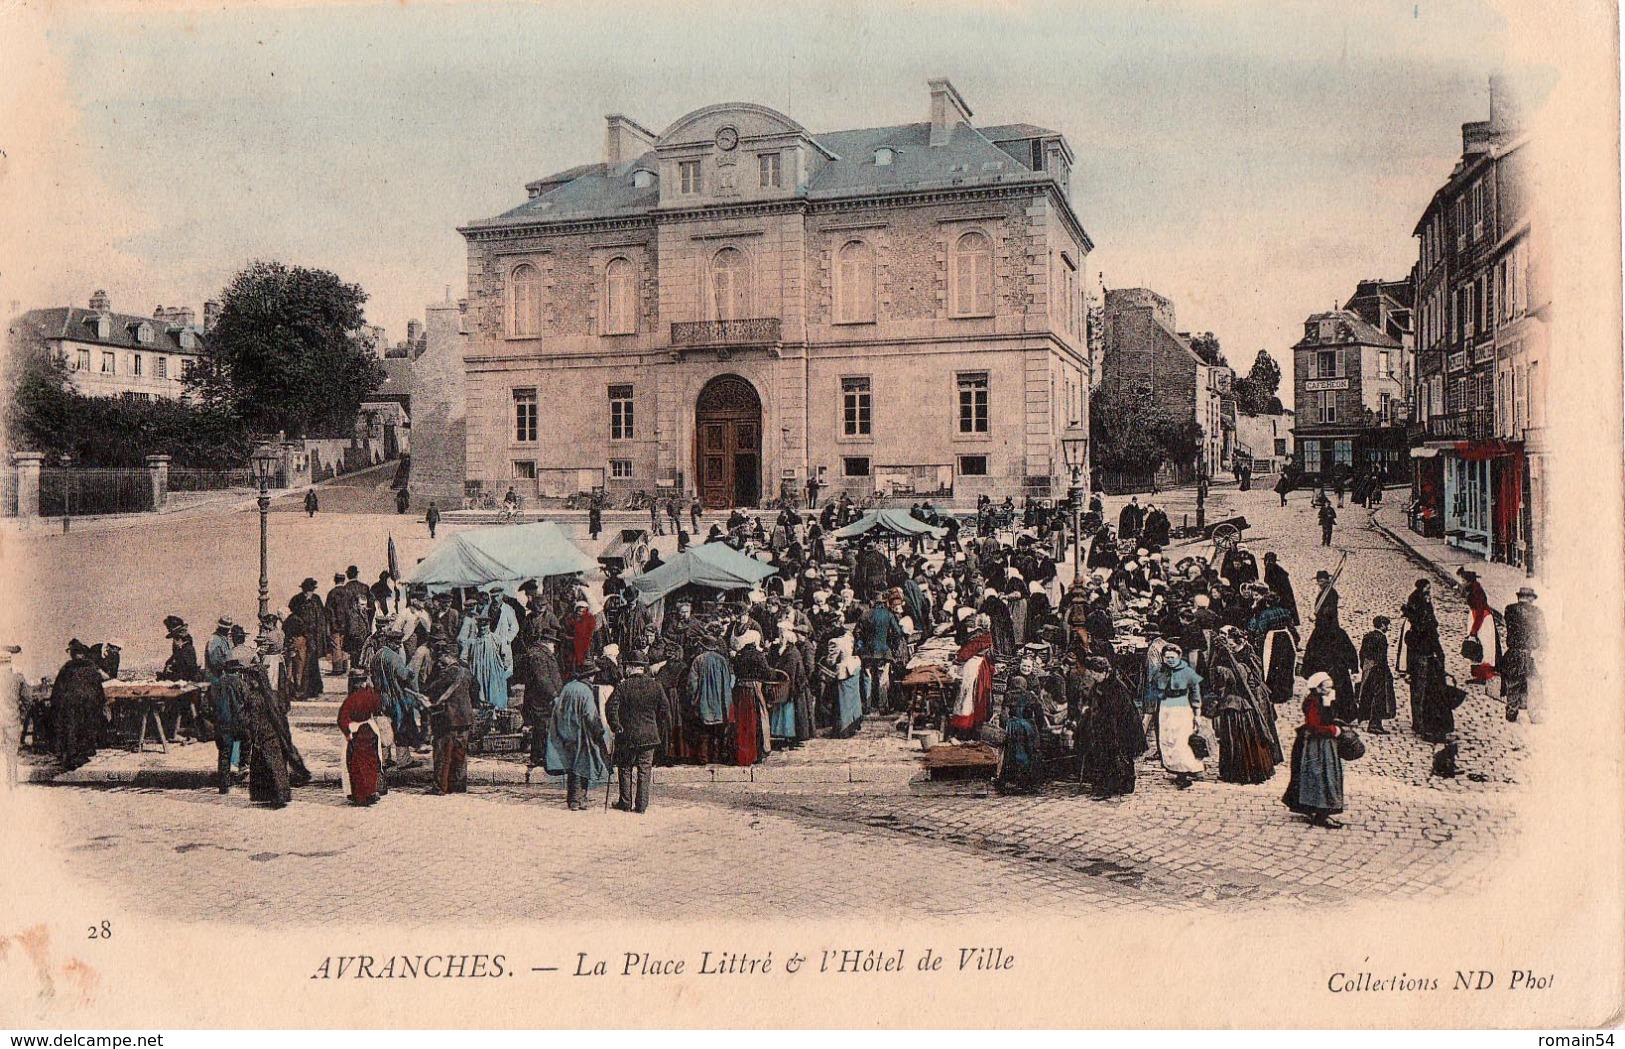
{"x":148,"y":699}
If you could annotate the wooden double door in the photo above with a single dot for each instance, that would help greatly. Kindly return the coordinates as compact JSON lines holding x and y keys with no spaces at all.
{"x":728,"y":444}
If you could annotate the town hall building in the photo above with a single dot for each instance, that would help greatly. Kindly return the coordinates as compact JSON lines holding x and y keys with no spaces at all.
{"x":737,"y":304}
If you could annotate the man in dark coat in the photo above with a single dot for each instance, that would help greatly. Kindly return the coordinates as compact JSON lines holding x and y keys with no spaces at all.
{"x":1280,"y":583}
{"x":1130,"y":518}
{"x":341,"y":615}
{"x":870,"y":573}
{"x":358,"y":626}
{"x":311,"y":505}
{"x":1331,"y":650}
{"x":451,"y":715}
{"x":640,"y":718}
{"x":1526,"y":635}
{"x":1328,"y":518}
{"x":78,"y":707}
{"x":308,"y":637}
{"x":538,"y":672}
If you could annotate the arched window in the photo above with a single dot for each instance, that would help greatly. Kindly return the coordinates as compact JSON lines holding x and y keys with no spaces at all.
{"x":730,"y":285}
{"x":855,"y":283}
{"x":973,"y":276}
{"x":620,"y":298}
{"x":525,"y":301}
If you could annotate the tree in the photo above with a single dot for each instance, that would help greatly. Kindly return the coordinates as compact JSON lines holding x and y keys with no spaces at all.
{"x":1206,"y":345}
{"x":1129,"y":435}
{"x":289,"y":354}
{"x":1256,"y":391}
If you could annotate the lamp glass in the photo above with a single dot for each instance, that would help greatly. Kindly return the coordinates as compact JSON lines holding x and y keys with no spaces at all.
{"x":1074,"y":439}
{"x":265,"y":460}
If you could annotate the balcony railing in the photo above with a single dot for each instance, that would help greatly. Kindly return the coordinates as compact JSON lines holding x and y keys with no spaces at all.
{"x":1473,"y":425}
{"x":750,"y":331}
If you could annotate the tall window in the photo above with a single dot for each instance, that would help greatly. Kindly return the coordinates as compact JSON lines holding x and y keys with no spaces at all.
{"x":730,"y":285}
{"x":855,"y":283}
{"x":688,"y":176}
{"x":81,"y":360}
{"x":1384,"y":406}
{"x":973,"y":276}
{"x":109,"y":362}
{"x":620,"y":413}
{"x":160,"y":367}
{"x":1385,"y":363}
{"x":135,"y":364}
{"x":524,"y":414}
{"x":525,"y":301}
{"x":1326,"y":364}
{"x":855,"y":407}
{"x":1326,"y":406}
{"x":771,"y":170}
{"x":973,"y":402}
{"x":620,"y":298}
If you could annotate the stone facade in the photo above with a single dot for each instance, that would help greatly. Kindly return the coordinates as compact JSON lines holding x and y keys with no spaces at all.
{"x":439,"y":408}
{"x":1141,"y":345}
{"x":904,"y":303}
{"x":111,"y":354}
{"x":1349,"y":391}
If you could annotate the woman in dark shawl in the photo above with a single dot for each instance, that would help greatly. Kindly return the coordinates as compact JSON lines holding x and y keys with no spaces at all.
{"x":1113,"y":736}
{"x":1243,"y":719}
{"x":77,"y":707}
{"x":271,"y":753}
{"x":1432,"y":716}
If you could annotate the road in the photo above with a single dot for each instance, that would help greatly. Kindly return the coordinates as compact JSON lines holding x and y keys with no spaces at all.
{"x":760,"y":850}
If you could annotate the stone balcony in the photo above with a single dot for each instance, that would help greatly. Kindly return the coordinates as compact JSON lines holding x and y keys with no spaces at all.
{"x":726,"y":336}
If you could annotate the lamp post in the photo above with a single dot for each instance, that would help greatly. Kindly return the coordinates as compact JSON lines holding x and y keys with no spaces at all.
{"x":265,"y":460}
{"x":1075,"y":447}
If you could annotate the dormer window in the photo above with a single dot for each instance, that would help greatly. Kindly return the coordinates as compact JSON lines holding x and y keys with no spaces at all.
{"x":643,"y":178}
{"x":883,"y":156}
{"x":188,"y":339}
{"x":104,"y":326}
{"x":143,"y":334}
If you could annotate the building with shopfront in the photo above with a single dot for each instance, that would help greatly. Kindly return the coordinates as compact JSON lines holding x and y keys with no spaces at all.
{"x":1482,"y":300}
{"x":737,"y":304}
{"x":1349,"y":395}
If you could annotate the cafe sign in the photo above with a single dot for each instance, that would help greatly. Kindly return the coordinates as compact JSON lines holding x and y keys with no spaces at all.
{"x":1316,"y":385}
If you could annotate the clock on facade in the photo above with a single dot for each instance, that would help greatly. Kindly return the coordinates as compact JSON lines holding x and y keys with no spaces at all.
{"x":727,"y":139}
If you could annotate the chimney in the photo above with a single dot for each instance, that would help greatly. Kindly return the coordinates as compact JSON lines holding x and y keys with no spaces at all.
{"x":948,"y":111}
{"x":1475,"y":138}
{"x":183,"y":315}
{"x":1506,"y":116}
{"x":625,"y":139}
{"x":160,"y":314}
{"x":100,"y":302}
{"x":211,"y":314}
{"x":414,"y":332}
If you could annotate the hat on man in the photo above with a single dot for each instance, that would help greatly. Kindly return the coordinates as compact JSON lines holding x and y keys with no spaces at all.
{"x":1524,"y":591}
{"x":172,"y":622}
{"x":528,"y":586}
{"x":224,"y":623}
{"x":308,"y":584}
{"x":1322,"y":574}
{"x":115,"y":643}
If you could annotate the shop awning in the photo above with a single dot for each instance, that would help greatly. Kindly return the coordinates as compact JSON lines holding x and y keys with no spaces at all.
{"x":716,"y":565}
{"x":888,"y":523}
{"x":506,"y":554}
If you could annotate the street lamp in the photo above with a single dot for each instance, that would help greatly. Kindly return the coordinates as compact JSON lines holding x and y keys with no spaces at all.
{"x":1075,"y":447}
{"x":265,"y":459}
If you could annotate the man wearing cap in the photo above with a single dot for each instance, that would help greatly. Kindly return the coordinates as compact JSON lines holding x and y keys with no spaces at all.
{"x":342,"y":616}
{"x":397,"y":687}
{"x":638,"y":715}
{"x":575,"y":740}
{"x":538,"y":674}
{"x":229,"y":691}
{"x":451,"y":713}
{"x":1526,"y":636}
{"x":216,"y":654}
{"x":307,"y":634}
{"x":11,"y":713}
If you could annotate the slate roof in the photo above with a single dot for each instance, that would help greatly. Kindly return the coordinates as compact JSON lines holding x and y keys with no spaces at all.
{"x":397,"y":379}
{"x":72,"y":322}
{"x":970,"y":157}
{"x":1360,"y":332}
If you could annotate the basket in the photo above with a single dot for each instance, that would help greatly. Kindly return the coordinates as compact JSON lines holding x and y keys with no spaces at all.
{"x":776,"y":689}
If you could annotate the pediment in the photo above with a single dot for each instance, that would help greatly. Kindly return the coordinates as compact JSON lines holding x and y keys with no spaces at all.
{"x":747,"y":118}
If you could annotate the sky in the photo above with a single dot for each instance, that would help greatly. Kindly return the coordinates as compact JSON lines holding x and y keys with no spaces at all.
{"x":1250,"y":162}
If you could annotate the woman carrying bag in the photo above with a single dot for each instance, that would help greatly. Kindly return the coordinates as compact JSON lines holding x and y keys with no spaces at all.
{"x":1316,"y":787}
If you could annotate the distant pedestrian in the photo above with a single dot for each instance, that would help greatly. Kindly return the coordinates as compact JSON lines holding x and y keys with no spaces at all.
{"x":432,"y":517}
{"x":654,"y":519}
{"x":673,"y":515}
{"x":812,"y":492}
{"x":403,"y":499}
{"x":694,"y":515}
{"x":1328,"y":518}
{"x":1282,"y":486}
{"x":595,"y":520}
{"x":1338,"y":485}
{"x":311,"y":505}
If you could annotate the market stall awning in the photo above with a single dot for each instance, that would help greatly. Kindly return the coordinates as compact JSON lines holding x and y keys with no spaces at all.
{"x":715,"y":565}
{"x":889,"y":522}
{"x":506,"y":554}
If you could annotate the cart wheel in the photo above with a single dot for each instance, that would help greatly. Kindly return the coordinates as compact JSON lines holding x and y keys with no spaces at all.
{"x":1227,"y":536}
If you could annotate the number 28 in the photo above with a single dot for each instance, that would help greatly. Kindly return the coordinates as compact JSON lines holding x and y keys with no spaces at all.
{"x":101,"y":931}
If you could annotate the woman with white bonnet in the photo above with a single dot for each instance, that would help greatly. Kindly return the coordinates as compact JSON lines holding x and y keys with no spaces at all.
{"x":1316,"y":787}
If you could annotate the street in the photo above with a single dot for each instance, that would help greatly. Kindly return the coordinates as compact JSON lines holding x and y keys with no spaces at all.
{"x":801,"y":846}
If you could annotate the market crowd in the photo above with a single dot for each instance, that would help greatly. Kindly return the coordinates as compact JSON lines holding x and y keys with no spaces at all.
{"x":1169,"y":650}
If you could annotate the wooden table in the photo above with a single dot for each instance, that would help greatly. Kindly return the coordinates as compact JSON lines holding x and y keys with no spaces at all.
{"x":149,"y":698}
{"x":929,"y":692}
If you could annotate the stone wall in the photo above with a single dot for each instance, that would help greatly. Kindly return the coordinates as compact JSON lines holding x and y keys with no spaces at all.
{"x":439,"y":409}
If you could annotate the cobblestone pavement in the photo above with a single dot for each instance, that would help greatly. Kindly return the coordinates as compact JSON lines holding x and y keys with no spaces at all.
{"x":815,"y":849}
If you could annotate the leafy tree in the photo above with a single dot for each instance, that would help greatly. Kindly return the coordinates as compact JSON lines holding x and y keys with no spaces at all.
{"x":1129,"y":435}
{"x":289,"y":353}
{"x":1206,"y":345}
{"x":1256,"y":391}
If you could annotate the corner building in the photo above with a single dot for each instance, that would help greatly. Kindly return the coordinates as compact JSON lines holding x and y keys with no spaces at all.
{"x":737,"y":304}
